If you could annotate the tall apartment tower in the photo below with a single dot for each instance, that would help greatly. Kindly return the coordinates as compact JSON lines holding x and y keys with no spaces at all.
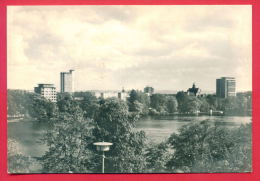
{"x":226,"y":87}
{"x":47,"y":90}
{"x":66,"y":81}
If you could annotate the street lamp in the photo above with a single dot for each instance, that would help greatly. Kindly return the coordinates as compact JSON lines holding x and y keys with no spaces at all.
{"x":103,"y":146}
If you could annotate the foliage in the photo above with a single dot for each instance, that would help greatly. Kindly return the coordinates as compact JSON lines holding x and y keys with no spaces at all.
{"x":89,"y":103}
{"x":163,"y":104}
{"x":158,"y":102}
{"x":212,"y":101}
{"x":17,"y":162}
{"x":208,"y":147}
{"x":171,"y":104}
{"x":14,"y":104}
{"x":68,"y":143}
{"x":18,"y":102}
{"x":137,"y":107}
{"x":42,"y":109}
{"x":238,"y":105}
{"x":66,"y":103}
{"x":157,"y":156}
{"x":113,"y":123}
{"x":76,"y":124}
{"x":204,"y":105}
{"x":30,"y":105}
{"x":187,"y":104}
{"x":138,"y":102}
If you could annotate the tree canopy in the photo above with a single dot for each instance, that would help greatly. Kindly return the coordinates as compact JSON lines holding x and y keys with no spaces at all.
{"x":209,"y":147}
{"x":68,"y":143}
{"x":113,"y":123}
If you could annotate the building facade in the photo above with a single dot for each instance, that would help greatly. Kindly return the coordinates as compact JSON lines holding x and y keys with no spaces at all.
{"x":149,"y":90}
{"x":122,"y":95}
{"x":48,"y":91}
{"x":194,"y":91}
{"x":226,"y":87}
{"x":66,"y":82}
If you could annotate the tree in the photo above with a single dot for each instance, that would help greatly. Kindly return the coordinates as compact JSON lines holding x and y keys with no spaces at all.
{"x":138,"y":99}
{"x":68,"y":143}
{"x":137,"y":107}
{"x":204,"y":105}
{"x":133,"y":96}
{"x":41,"y":109}
{"x":89,"y":103}
{"x":158,"y":102}
{"x":18,"y":162}
{"x":66,"y":103}
{"x":19,"y":102}
{"x":182,"y":99}
{"x":209,"y":147}
{"x":12,"y":106}
{"x":187,"y":104}
{"x":113,"y":123}
{"x":157,"y":156}
{"x":212,"y":101}
{"x":171,"y":104}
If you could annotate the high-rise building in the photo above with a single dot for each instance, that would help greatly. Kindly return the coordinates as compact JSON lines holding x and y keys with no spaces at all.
{"x":226,"y":87}
{"x":66,"y":81}
{"x":47,"y":90}
{"x":149,"y":90}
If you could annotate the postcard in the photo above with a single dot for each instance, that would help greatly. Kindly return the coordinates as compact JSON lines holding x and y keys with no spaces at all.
{"x":129,"y":89}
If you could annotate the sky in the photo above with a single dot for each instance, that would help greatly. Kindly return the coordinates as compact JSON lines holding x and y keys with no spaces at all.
{"x":110,"y":47}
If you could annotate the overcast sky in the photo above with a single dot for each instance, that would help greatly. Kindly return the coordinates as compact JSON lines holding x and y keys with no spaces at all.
{"x":110,"y":47}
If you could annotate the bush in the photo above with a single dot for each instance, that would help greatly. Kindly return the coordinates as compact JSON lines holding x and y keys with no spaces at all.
{"x":208,"y":147}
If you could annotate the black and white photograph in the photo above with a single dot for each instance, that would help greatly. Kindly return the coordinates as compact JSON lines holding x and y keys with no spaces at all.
{"x":129,"y":89}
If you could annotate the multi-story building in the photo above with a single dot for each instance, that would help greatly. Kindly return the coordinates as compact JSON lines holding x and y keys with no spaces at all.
{"x":47,"y":90}
{"x":66,"y":82}
{"x":226,"y":87}
{"x":149,"y":90}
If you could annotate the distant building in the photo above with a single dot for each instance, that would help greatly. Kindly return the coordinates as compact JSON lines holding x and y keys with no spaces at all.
{"x":47,"y":90}
{"x":106,"y":94}
{"x":194,"y":90}
{"x":226,"y":87}
{"x":122,"y":95}
{"x":149,"y":90}
{"x":66,"y":82}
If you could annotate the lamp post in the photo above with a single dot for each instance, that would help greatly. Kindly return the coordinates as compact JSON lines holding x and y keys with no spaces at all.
{"x":103,"y":146}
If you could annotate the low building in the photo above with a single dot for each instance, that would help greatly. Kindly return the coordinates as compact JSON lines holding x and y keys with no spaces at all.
{"x":48,"y":91}
{"x":122,"y":95}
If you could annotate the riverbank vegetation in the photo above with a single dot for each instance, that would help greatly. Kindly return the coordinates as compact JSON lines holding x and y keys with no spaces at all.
{"x":74,"y":125}
{"x":33,"y":105}
{"x":182,"y":103}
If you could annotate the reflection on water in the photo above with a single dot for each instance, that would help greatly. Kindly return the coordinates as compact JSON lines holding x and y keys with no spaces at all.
{"x":29,"y":133}
{"x":158,"y":130}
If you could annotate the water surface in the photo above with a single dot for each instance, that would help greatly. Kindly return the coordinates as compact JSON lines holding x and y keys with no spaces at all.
{"x":28,"y":134}
{"x":158,"y":130}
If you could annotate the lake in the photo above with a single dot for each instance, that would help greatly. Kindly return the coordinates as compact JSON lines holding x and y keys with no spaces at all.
{"x":158,"y":130}
{"x":28,"y":134}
